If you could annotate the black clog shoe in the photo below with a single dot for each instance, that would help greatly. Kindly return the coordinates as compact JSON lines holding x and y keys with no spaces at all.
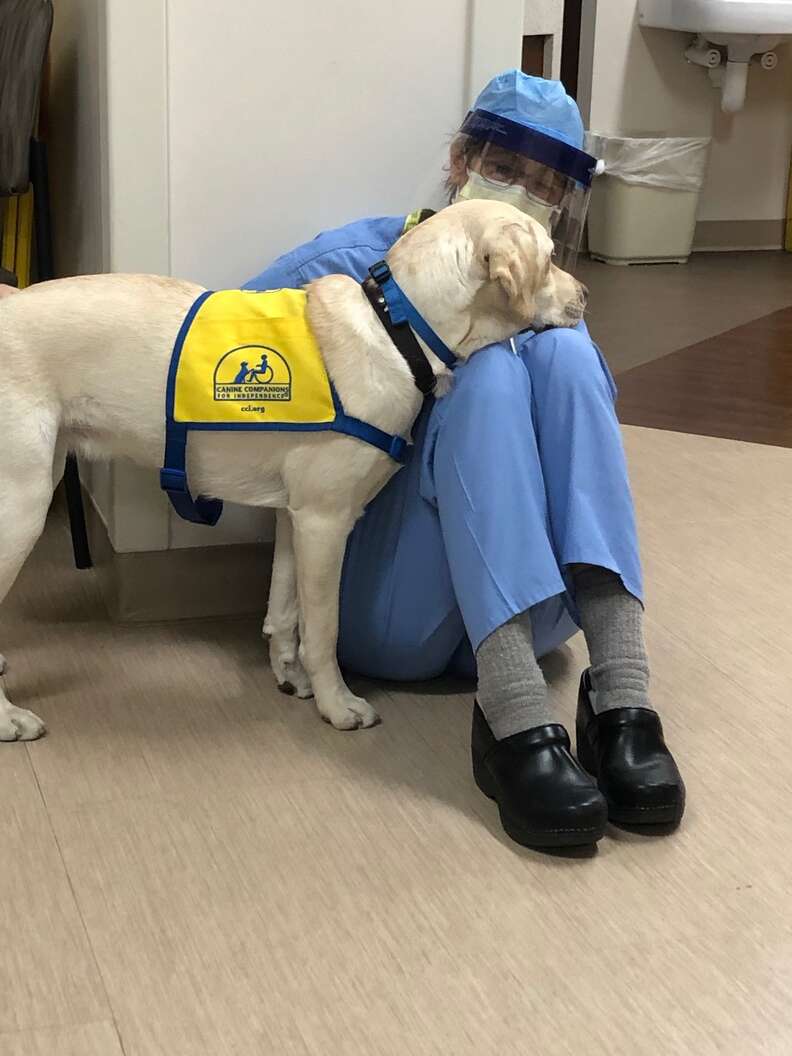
{"x":544,"y":798}
{"x":625,"y":752}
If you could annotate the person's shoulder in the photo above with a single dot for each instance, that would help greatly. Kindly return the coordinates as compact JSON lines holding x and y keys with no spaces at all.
{"x":374,"y":232}
{"x":348,"y":249}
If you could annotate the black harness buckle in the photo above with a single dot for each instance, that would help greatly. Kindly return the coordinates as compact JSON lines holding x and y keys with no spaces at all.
{"x":380,"y":272}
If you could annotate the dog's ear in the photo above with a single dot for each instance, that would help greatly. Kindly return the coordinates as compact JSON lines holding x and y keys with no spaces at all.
{"x":512,"y":255}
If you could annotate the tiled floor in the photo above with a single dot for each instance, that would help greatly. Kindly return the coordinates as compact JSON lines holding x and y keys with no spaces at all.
{"x":194,"y":865}
{"x":737,"y":385}
{"x":639,"y":313}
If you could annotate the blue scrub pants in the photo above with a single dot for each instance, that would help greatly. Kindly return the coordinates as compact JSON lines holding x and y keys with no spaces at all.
{"x":516,"y":474}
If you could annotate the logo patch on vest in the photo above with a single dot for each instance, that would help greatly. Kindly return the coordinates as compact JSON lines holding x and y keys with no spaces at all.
{"x":253,"y":374}
{"x":247,"y":360}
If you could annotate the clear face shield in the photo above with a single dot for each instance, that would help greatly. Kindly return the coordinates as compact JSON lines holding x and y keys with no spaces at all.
{"x":542,"y":176}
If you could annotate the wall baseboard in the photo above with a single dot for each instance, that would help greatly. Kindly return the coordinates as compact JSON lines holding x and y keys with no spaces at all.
{"x":180,"y":584}
{"x":722,"y":235}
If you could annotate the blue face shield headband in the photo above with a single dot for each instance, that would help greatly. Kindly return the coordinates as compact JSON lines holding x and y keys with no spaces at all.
{"x":555,"y":154}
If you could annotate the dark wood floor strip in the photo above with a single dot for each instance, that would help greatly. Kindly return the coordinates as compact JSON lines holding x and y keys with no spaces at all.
{"x":737,"y":385}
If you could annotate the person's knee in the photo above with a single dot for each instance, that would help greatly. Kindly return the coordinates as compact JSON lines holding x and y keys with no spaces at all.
{"x":569,"y":357}
{"x":493,"y":378}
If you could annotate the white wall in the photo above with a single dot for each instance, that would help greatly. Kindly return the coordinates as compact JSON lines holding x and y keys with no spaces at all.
{"x":751,"y":151}
{"x":641,"y":83}
{"x":288,"y":120}
{"x":137,"y":136}
{"x":495,"y":43}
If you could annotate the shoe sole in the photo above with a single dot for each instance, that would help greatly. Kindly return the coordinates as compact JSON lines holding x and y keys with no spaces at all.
{"x":528,"y":837}
{"x":669,"y":814}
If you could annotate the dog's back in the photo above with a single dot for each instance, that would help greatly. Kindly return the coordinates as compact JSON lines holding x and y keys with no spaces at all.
{"x":91,"y":354}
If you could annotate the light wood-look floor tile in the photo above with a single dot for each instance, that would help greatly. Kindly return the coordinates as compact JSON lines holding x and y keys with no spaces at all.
{"x":48,"y":976}
{"x":250,"y":881}
{"x":93,"y":1039}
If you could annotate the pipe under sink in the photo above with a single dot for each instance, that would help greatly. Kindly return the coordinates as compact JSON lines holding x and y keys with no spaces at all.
{"x":743,"y":29}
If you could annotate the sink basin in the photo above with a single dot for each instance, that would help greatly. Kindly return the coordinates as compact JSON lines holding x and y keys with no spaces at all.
{"x":767,"y":17}
{"x":743,"y":28}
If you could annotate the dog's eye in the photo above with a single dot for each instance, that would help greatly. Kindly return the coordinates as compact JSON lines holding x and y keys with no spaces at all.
{"x":486,"y":258}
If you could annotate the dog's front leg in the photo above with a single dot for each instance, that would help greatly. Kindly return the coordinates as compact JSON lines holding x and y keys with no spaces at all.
{"x":319,"y":541}
{"x":282,"y":619}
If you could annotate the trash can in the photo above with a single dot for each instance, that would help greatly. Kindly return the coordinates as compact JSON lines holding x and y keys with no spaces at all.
{"x":644,"y":205}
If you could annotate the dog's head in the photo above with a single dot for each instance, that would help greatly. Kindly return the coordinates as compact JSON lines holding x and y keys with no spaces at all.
{"x":481,"y":271}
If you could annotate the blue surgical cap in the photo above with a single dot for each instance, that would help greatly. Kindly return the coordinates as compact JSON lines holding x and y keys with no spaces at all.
{"x":535,"y":102}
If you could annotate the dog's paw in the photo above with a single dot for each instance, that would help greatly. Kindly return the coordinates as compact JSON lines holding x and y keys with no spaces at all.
{"x":18,"y":724}
{"x":291,"y":676}
{"x":297,"y":685}
{"x":349,"y":713}
{"x":293,"y":680}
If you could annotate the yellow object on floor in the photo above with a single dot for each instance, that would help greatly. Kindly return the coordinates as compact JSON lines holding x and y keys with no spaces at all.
{"x":18,"y":236}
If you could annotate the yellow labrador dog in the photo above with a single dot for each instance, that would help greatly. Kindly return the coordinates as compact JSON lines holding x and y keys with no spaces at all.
{"x":85,"y":362}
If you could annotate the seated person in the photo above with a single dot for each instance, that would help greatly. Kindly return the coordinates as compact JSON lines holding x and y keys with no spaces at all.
{"x":512,"y":524}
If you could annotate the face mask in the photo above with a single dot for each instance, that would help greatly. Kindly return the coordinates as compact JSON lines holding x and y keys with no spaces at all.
{"x":515,"y":194}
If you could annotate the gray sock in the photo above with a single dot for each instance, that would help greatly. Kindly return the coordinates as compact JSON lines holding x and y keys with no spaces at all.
{"x":511,"y":687}
{"x":612,"y":622}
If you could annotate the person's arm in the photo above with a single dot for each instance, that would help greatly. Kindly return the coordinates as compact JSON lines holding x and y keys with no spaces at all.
{"x":348,"y":250}
{"x":282,"y":274}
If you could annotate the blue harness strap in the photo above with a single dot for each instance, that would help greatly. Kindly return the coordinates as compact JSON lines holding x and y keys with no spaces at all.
{"x":403,"y":310}
{"x":173,"y":475}
{"x":395,"y":446}
{"x":173,"y":480}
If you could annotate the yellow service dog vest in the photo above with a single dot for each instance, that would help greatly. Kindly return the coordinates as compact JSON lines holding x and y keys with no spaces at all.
{"x":249,"y":360}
